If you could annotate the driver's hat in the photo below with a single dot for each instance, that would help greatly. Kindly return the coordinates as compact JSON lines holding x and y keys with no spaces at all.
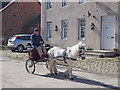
{"x":36,"y":30}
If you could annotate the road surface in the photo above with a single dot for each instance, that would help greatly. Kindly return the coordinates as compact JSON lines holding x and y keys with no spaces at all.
{"x":14,"y":75}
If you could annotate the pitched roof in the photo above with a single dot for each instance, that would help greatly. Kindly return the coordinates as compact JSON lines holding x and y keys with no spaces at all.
{"x":11,"y":1}
{"x":7,"y":5}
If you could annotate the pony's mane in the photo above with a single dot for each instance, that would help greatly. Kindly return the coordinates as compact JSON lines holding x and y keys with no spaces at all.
{"x":75,"y":49}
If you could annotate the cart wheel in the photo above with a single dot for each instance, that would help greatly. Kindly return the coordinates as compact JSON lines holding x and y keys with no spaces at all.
{"x":47,"y":64}
{"x":30,"y":66}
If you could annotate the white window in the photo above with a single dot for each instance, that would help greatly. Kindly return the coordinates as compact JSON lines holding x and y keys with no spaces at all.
{"x":49,"y":27}
{"x":49,"y":4}
{"x":81,"y":31}
{"x":82,"y":1}
{"x":64,"y":29}
{"x":64,"y":3}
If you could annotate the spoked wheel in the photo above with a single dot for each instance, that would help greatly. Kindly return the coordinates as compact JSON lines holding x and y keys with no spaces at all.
{"x":30,"y":66}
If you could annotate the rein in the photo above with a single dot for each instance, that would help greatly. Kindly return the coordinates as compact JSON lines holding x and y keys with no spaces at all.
{"x":72,"y":59}
{"x":65,"y":56}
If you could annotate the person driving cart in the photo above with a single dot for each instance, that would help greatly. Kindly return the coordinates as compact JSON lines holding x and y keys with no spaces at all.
{"x":37,"y":41}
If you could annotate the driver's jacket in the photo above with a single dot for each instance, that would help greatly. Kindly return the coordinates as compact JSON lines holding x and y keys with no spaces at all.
{"x":36,"y":40}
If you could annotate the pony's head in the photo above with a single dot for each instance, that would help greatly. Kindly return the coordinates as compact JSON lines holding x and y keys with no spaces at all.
{"x":81,"y":50}
{"x":47,"y":47}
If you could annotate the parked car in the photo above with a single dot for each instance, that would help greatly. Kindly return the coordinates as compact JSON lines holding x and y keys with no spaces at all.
{"x":19,"y":42}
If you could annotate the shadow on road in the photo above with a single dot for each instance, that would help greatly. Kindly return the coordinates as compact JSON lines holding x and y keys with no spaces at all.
{"x":61,"y":76}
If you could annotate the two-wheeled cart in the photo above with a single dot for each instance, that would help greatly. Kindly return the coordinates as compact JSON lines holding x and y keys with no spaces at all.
{"x":34,"y":58}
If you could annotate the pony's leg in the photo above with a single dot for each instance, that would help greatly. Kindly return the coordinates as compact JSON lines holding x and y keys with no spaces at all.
{"x":51,"y":66}
{"x":55,"y":68}
{"x":70,"y":73}
{"x":66,"y":72}
{"x":70,"y":64}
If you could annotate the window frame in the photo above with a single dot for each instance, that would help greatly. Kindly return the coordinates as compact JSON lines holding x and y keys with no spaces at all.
{"x":64,"y":34}
{"x":49,"y":35}
{"x":80,"y":29}
{"x":49,"y":4}
{"x":82,"y":1}
{"x":64,"y":3}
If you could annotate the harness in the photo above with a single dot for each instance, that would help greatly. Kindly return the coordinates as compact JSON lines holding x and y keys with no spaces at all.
{"x":65,"y":56}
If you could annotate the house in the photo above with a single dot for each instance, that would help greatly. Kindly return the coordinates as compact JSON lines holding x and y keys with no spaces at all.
{"x":0,"y":28}
{"x":0,"y":24}
{"x":0,"y":5}
{"x":20,"y":18}
{"x":97,"y":24}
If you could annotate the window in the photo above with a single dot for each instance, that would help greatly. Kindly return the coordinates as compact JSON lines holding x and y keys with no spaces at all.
{"x":24,"y":38}
{"x":49,"y":4}
{"x":49,"y":27}
{"x":64,"y":3}
{"x":28,"y":37}
{"x":82,"y":1}
{"x":81,"y":31}
{"x":64,"y":29}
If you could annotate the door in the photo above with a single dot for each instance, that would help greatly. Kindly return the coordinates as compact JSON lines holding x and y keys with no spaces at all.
{"x":108,"y":32}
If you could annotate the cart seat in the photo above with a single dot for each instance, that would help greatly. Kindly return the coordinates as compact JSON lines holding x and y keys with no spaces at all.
{"x":33,"y":54}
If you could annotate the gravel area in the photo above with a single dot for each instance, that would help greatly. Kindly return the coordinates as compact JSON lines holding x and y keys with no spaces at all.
{"x":105,"y":66}
{"x":15,"y":55}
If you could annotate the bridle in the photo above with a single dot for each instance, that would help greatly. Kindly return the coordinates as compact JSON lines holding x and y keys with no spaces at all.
{"x":81,"y":51}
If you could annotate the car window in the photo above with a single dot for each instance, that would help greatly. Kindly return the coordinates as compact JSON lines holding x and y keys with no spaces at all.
{"x":24,"y":37}
{"x":27,"y":37}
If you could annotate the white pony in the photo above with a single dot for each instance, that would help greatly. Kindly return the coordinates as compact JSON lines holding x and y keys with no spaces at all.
{"x":70,"y":54}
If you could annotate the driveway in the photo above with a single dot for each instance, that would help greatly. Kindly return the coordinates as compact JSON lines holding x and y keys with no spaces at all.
{"x":14,"y":75}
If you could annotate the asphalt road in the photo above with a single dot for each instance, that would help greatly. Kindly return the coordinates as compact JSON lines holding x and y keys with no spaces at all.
{"x":14,"y":75}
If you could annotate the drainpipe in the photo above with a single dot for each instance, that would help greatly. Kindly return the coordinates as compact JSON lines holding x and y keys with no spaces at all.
{"x":0,"y":5}
{"x":45,"y":22}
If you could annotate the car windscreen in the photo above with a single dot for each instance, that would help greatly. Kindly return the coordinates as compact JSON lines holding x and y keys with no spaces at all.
{"x":12,"y":38}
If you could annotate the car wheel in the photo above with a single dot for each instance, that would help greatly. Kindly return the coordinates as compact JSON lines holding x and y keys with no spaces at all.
{"x":13,"y":50}
{"x":20,"y":48}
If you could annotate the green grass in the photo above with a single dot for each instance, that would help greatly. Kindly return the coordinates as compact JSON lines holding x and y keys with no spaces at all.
{"x":118,"y":58}
{"x":4,"y":49}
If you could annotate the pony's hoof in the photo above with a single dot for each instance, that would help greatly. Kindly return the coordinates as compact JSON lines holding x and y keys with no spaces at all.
{"x":52,"y":74}
{"x":55,"y":73}
{"x":71,"y":78}
{"x":65,"y":75}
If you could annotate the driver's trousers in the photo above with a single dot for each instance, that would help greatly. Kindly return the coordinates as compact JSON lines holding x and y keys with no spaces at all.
{"x":39,"y":50}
